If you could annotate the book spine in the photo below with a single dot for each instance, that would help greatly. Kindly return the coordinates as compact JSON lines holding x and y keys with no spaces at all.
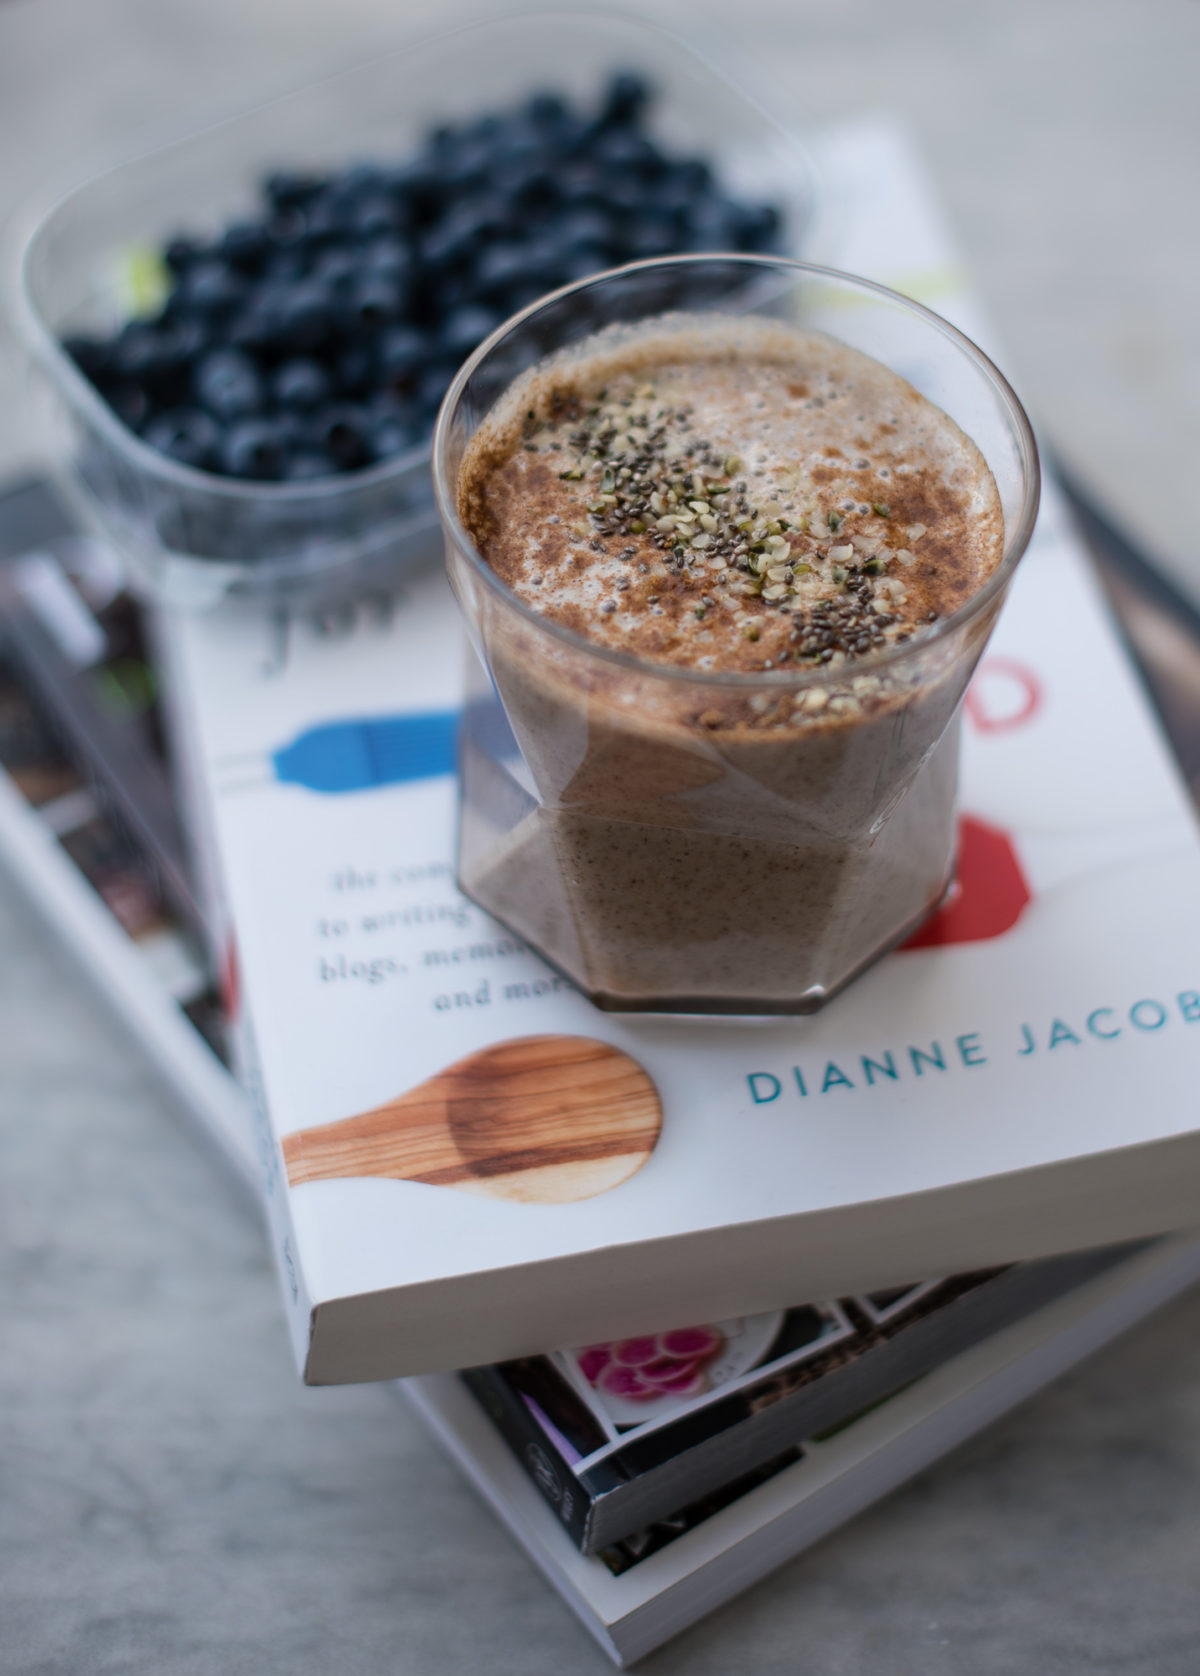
{"x":297,"y":1301}
{"x":53,"y":883}
{"x":567,"y":1498}
{"x":186,"y":758}
{"x":187,"y":784}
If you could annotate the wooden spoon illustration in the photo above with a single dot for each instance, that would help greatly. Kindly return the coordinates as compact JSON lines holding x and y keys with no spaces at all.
{"x":543,"y":1119}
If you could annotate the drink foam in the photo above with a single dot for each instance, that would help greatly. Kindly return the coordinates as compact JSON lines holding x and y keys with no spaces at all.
{"x":730,"y":495}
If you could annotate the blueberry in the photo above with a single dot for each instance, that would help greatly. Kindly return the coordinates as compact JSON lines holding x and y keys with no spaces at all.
{"x":355,"y":369}
{"x":228,"y":385}
{"x":324,"y":224}
{"x":180,"y":253}
{"x":583,"y":186}
{"x":211,"y":289}
{"x":569,"y":137}
{"x":513,"y":222}
{"x":517,"y":149}
{"x":538,"y":191}
{"x":441,"y":295}
{"x":584,"y":228}
{"x":466,"y":169}
{"x":388,"y":437}
{"x":448,"y":246}
{"x":524,"y":291}
{"x":711,"y":225}
{"x":558,"y":138}
{"x":373,"y":303}
{"x":441,"y":140}
{"x":294,"y":429}
{"x":301,"y":384}
{"x":582,"y":262}
{"x":256,"y":329}
{"x":625,"y":98}
{"x":416,"y":185}
{"x":337,"y":267}
{"x":253,"y":448}
{"x":93,"y":356}
{"x":288,"y":229}
{"x":624,"y":151}
{"x":286,"y":188}
{"x":182,"y":343}
{"x":547,"y":262}
{"x":306,"y":315}
{"x":386,"y":258}
{"x":187,"y":435}
{"x":130,"y":403}
{"x":341,"y":431}
{"x":140,"y":354}
{"x":625,"y":194}
{"x":433,"y":386}
{"x":389,"y":408}
{"x":373,"y":216}
{"x":691,"y":175}
{"x":546,"y":110}
{"x":645,"y":236}
{"x":671,"y":200}
{"x":479,"y":217}
{"x":386,"y":404}
{"x":359,"y":180}
{"x":758,"y":226}
{"x":400,"y":355}
{"x":307,"y":466}
{"x":244,"y":245}
{"x":501,"y":266}
{"x":285,"y":266}
{"x":512,"y":167}
{"x":467,"y":327}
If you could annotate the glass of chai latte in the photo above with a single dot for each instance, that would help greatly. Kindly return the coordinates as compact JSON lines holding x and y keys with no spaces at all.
{"x":729,"y":534}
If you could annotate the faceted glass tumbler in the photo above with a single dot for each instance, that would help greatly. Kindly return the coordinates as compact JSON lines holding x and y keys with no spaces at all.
{"x":687,"y":841}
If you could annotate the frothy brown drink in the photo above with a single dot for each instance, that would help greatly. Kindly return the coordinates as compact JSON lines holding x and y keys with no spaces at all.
{"x":743,"y":757}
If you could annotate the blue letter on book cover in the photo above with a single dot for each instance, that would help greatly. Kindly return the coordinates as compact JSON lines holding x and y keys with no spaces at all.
{"x":772,"y":1090}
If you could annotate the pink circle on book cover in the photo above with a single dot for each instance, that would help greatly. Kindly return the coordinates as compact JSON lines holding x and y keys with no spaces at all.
{"x":638,"y":1379}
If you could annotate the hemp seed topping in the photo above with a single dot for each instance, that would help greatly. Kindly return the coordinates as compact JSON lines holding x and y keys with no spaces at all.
{"x":712,"y":509}
{"x":675,"y":489}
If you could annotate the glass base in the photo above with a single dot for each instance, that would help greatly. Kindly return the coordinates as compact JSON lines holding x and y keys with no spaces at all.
{"x":810,"y":1000}
{"x":730,"y":902}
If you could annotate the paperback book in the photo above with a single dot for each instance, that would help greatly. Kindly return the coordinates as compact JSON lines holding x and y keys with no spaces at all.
{"x":619,"y":1436}
{"x":639,"y":1593}
{"x":1011,"y":1084}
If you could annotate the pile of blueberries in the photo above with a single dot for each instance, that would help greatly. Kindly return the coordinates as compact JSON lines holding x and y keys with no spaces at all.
{"x":320,"y":337}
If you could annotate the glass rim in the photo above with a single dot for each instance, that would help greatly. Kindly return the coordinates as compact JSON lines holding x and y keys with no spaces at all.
{"x":1016,"y":541}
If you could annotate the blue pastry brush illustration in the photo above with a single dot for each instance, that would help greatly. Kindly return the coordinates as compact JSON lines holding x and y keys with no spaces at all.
{"x":363,"y":752}
{"x":354,"y":754}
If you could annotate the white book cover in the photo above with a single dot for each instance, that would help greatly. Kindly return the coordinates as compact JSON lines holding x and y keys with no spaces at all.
{"x":1017,"y":1082}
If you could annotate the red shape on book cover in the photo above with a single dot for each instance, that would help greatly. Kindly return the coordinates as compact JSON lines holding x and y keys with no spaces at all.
{"x":989,"y":893}
{"x":1004,"y":695}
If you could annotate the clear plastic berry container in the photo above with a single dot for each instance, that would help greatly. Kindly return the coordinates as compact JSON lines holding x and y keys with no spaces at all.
{"x":190,"y":537}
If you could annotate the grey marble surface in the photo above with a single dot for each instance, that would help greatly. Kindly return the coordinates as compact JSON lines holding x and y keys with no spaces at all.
{"x":172,"y":1501}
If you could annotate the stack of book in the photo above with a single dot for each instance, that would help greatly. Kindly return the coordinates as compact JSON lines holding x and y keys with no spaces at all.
{"x":857,"y":1237}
